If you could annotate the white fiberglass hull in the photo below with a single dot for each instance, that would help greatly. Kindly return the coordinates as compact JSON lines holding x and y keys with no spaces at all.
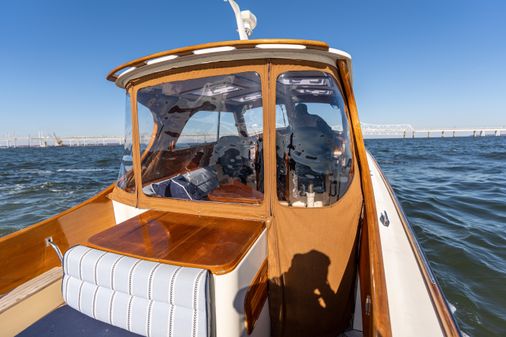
{"x":411,"y":305}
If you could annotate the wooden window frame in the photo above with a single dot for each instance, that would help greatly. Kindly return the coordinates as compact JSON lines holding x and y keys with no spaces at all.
{"x":211,"y":208}
{"x":291,"y":66}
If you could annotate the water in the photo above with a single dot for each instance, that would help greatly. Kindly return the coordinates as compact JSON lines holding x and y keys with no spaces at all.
{"x":36,"y":183}
{"x":453,"y":191}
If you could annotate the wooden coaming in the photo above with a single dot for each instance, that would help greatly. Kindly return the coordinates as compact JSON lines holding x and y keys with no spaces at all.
{"x":30,"y":288}
{"x":213,"y":243}
{"x":372,"y":272}
{"x":25,"y":254}
{"x":30,"y":302}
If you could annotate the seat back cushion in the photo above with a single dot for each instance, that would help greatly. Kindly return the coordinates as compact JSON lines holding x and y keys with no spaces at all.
{"x":144,"y":297}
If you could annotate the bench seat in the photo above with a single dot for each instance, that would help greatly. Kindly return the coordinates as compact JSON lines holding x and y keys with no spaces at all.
{"x":144,"y":297}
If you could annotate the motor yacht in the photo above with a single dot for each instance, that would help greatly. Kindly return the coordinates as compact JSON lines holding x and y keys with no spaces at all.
{"x":246,"y":205}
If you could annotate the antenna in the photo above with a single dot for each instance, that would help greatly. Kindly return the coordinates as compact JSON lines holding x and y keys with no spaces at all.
{"x":246,"y":21}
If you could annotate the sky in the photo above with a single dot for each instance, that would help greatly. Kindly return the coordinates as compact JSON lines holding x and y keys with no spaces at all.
{"x":430,"y":63}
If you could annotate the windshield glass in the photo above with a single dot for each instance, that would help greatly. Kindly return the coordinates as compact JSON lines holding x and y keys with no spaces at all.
{"x":314,"y":160}
{"x":201,"y":139}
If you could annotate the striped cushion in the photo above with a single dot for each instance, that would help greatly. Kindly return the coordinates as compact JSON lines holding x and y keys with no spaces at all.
{"x":144,"y":297}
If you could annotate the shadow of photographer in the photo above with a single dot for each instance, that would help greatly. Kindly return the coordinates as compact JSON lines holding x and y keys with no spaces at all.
{"x":303,"y":303}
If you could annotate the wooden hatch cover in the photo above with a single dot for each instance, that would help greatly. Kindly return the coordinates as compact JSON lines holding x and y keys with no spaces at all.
{"x":213,"y":243}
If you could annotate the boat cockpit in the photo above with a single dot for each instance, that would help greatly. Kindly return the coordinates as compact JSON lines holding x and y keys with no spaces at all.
{"x":264,"y":140}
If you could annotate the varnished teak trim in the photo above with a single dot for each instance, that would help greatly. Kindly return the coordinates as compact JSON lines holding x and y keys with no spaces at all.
{"x":256,"y":297}
{"x":30,"y":288}
{"x":379,"y":324}
{"x":220,"y":209}
{"x":25,"y":313}
{"x":233,"y":43}
{"x":25,"y":253}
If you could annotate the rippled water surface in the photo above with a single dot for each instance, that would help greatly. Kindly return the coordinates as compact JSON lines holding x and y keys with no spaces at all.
{"x":453,"y":191}
{"x":36,"y":183}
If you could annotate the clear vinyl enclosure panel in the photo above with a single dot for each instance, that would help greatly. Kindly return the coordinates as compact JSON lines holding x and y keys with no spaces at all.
{"x":313,"y":154}
{"x":126,"y":179}
{"x":201,"y":139}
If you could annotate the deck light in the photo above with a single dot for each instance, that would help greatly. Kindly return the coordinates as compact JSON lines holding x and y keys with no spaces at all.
{"x":280,"y":46}
{"x":340,"y":53}
{"x":161,"y":59}
{"x":126,"y":71}
{"x":213,"y":50}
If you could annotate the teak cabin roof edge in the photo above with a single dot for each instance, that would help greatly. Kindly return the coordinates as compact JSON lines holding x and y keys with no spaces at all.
{"x":223,"y":51}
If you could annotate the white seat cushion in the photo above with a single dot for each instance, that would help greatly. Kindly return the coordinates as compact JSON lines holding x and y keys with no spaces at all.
{"x":144,"y":297}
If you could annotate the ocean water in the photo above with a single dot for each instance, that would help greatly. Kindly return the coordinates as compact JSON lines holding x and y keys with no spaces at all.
{"x":36,"y":183}
{"x":453,"y":191}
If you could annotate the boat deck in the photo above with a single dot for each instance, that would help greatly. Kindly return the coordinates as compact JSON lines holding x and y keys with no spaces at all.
{"x":65,"y":321}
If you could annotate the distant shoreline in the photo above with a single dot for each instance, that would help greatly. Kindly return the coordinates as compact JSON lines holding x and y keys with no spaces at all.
{"x":56,"y":146}
{"x":102,"y":144}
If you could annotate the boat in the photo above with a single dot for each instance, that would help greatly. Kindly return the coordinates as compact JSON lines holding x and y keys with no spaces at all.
{"x":246,"y":205}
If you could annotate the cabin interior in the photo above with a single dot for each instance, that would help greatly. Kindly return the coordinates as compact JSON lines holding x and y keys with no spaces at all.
{"x":237,"y":210}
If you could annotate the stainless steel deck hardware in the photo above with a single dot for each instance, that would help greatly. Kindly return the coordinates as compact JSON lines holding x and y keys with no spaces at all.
{"x":49,"y":242}
{"x":384,"y":219}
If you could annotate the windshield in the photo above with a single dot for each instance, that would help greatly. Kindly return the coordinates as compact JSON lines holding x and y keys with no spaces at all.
{"x":314,"y":160}
{"x":201,"y":139}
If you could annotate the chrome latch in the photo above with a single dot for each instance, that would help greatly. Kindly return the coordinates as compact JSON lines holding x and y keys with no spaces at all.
{"x":384,"y":219}
{"x":50,"y":243}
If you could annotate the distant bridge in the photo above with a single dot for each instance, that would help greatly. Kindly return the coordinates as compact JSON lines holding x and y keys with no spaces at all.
{"x":407,"y":131}
{"x":42,"y":140}
{"x":368,"y":129}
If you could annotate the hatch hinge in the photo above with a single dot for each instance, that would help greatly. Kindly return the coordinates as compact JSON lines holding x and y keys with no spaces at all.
{"x":368,"y":305}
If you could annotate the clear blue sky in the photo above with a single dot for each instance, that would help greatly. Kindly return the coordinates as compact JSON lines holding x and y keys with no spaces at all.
{"x":428,"y":63}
